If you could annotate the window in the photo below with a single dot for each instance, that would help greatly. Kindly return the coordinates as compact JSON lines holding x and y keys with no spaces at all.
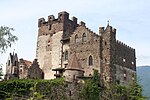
{"x":106,"y":60}
{"x":84,"y":37}
{"x":20,"y":71}
{"x":125,"y":75}
{"x":132,"y":63}
{"x":124,"y":60}
{"x":90,"y":60}
{"x":15,"y":63}
{"x":49,"y":42}
{"x":105,"y":43}
{"x":76,"y":39}
{"x":66,"y":55}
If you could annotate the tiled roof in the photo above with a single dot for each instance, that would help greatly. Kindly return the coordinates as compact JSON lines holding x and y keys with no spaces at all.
{"x":28,"y":63}
{"x":74,"y":64}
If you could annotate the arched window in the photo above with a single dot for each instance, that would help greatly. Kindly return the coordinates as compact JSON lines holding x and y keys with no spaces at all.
{"x":76,"y":39}
{"x":66,"y":55}
{"x":90,"y":60}
{"x":84,"y":37}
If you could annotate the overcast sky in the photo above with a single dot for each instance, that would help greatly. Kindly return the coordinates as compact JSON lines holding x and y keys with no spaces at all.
{"x":131,"y":18}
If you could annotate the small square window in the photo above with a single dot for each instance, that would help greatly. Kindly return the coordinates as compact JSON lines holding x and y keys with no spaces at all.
{"x":124,"y":60}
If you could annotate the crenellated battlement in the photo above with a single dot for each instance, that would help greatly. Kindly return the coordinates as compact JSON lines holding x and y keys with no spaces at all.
{"x":41,"y":21}
{"x":63,"y":17}
{"x":59,"y":36}
{"x":51,"y":18}
{"x":90,"y":31}
{"x":108,"y":28}
{"x":121,"y":44}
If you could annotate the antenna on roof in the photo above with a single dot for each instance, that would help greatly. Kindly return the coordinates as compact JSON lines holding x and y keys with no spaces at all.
{"x":107,"y":22}
{"x":13,"y":51}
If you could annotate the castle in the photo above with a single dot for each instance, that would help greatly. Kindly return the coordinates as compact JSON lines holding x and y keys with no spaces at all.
{"x":63,"y":43}
{"x":67,"y":48}
{"x":22,"y":69}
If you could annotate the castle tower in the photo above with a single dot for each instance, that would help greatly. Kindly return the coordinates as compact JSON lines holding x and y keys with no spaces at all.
{"x":73,"y":70}
{"x":59,"y":37}
{"x":118,"y":60}
{"x":12,"y":66}
{"x":108,"y":37}
{"x":53,"y":42}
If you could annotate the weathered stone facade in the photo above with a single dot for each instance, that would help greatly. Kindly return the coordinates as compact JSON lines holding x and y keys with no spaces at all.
{"x":22,"y":69}
{"x":58,"y":38}
{"x":12,"y":66}
{"x":34,"y":72}
{"x":24,"y":65}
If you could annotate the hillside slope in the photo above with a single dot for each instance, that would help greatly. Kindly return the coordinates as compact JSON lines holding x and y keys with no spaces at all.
{"x":143,"y":74}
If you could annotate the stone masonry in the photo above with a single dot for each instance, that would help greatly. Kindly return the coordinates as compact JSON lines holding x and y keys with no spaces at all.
{"x":59,"y":38}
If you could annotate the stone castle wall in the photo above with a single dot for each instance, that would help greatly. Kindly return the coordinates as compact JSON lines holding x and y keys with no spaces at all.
{"x":91,"y":47}
{"x":125,"y":55}
{"x":57,"y":35}
{"x":49,"y":46}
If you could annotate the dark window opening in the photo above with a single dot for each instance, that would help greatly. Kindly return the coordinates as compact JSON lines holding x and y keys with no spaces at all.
{"x":105,"y":77}
{"x":49,"y":42}
{"x":66,"y":55}
{"x":90,"y":60}
{"x":20,"y":71}
{"x":105,"y":60}
{"x":66,"y":65}
{"x":118,"y":81}
{"x":70,"y":93}
{"x":105,"y":43}
{"x":15,"y":63}
{"x":74,"y":77}
{"x":84,"y":37}
{"x":76,"y":39}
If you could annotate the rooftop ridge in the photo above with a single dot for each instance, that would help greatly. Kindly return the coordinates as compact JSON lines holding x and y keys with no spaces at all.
{"x":74,"y":64}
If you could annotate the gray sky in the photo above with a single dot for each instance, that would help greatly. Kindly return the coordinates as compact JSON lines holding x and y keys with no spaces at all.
{"x":131,"y":18}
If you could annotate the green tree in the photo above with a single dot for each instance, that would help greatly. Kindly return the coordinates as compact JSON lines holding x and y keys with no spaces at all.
{"x":91,"y":89}
{"x":6,"y":38}
{"x":95,"y":77}
{"x":135,"y":91}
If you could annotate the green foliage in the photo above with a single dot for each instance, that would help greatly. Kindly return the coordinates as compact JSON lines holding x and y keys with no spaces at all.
{"x":95,"y":77}
{"x":6,"y":38}
{"x":119,"y":92}
{"x":57,"y":89}
{"x":31,"y":89}
{"x":135,"y":91}
{"x":14,"y":88}
{"x":90,"y":91}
